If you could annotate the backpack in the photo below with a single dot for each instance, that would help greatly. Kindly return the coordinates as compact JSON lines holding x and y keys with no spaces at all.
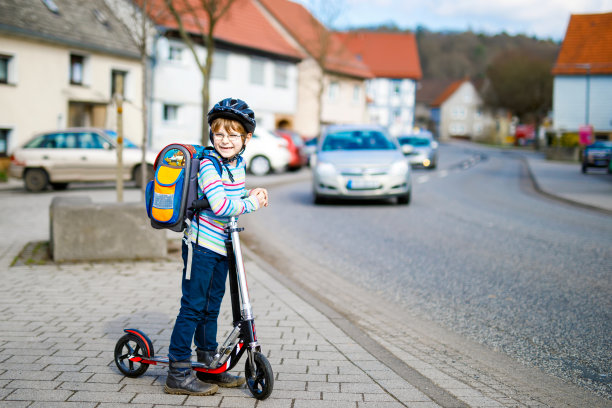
{"x":171,"y":196}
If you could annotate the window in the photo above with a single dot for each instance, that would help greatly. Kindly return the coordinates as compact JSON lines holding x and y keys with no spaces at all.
{"x":257,"y":71}
{"x":396,"y":87}
{"x":77,"y":68}
{"x":4,"y":136}
{"x":4,"y":69}
{"x":334,"y":90}
{"x":281,"y":79}
{"x":356,"y":93}
{"x":458,"y":113}
{"x":90,"y":141}
{"x":219,"y":67}
{"x":118,"y":78}
{"x":175,"y":53}
{"x":170,"y":113}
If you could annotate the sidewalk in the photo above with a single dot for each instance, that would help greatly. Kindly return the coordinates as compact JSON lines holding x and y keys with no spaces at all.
{"x":60,"y":323}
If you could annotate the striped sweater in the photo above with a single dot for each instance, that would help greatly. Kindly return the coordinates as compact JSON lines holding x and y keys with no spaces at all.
{"x":225,"y":198}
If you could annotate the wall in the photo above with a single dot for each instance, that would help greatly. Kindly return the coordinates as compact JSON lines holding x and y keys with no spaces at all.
{"x":569,"y":107}
{"x":389,"y":108}
{"x":37,"y":99}
{"x":180,"y":83}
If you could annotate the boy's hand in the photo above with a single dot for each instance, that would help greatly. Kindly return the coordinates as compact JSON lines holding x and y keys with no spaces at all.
{"x":262,"y":196}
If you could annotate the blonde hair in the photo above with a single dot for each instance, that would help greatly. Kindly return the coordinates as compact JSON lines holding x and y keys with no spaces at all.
{"x":228,"y":124}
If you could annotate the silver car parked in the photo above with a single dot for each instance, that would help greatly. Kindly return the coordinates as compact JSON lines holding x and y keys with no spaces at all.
{"x":60,"y":157}
{"x":360,"y":161}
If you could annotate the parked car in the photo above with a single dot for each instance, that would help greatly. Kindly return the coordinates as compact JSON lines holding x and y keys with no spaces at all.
{"x":310,"y":148}
{"x":597,"y":155}
{"x":295,"y":145}
{"x":360,"y":161}
{"x":60,"y":157}
{"x":265,"y":153}
{"x":420,"y":149}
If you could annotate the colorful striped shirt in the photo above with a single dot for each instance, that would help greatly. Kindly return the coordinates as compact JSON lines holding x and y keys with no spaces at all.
{"x":226,"y":200}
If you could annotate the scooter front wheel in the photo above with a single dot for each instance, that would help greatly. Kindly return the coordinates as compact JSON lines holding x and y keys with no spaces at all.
{"x":127,"y":347}
{"x":260,"y":379}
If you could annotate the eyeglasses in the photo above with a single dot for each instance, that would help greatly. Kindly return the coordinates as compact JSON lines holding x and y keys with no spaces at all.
{"x":234,"y":137}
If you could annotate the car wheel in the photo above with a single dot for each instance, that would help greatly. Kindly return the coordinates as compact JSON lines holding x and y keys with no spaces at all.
{"x":404,"y":199}
{"x":260,"y":166}
{"x":584,"y":168}
{"x":59,"y":186}
{"x":137,"y":175}
{"x":36,"y":180}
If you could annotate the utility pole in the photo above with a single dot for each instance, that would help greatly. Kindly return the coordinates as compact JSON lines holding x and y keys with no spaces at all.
{"x":119,"y":101}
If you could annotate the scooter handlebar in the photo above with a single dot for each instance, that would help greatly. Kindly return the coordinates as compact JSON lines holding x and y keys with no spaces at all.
{"x":200,"y":204}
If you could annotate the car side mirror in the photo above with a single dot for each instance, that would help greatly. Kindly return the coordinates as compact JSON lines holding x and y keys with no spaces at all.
{"x":108,"y":146}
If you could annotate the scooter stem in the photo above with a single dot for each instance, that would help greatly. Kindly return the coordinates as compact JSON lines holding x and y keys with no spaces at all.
{"x":245,"y":309}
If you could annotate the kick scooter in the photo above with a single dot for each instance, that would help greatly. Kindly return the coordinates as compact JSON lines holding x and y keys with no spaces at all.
{"x":134,"y":351}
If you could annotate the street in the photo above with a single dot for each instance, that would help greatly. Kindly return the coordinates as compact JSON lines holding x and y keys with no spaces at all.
{"x":476,"y":265}
{"x":477,"y":252}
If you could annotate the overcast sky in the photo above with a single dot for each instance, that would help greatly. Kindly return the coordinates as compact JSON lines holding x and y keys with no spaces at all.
{"x":542,"y":18}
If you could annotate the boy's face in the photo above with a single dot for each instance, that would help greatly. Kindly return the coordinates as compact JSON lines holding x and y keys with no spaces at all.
{"x":228,"y":141}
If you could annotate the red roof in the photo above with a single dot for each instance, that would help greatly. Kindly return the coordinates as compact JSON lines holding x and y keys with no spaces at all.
{"x":588,"y":40}
{"x":315,"y":38}
{"x":389,"y":55}
{"x":243,"y":24}
{"x":447,"y":93}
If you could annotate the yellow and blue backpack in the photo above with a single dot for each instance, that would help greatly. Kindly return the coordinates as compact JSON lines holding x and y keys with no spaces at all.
{"x":171,"y":197}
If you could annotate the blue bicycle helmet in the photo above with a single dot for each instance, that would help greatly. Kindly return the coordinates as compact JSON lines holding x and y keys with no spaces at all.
{"x":235,"y":109}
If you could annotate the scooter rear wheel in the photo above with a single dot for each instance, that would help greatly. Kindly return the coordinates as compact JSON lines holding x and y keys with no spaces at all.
{"x":260,"y":379}
{"x":130,"y":345}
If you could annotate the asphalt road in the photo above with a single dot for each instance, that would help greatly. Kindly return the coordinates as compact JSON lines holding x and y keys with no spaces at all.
{"x":477,"y":251}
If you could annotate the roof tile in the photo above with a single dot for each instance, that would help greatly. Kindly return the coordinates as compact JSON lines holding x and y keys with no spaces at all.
{"x":588,"y":42}
{"x":315,"y":38}
{"x":388,"y":55}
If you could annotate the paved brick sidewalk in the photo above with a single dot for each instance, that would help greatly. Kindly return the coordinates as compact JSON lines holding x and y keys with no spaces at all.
{"x":59,"y":326}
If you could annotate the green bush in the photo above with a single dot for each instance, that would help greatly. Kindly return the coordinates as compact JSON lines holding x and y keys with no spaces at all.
{"x":566,"y":140}
{"x":3,"y":176}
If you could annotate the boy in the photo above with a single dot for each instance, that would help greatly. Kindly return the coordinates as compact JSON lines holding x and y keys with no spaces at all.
{"x":232,"y":123}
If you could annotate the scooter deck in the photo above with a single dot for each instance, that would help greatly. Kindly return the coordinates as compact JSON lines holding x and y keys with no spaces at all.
{"x":194,"y":364}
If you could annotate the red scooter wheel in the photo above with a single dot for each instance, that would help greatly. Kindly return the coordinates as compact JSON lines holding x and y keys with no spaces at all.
{"x":127,"y":347}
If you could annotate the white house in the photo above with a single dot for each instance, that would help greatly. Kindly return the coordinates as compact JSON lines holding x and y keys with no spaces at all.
{"x":59,"y":66}
{"x":583,"y":76}
{"x":254,"y":63}
{"x":393,"y":60}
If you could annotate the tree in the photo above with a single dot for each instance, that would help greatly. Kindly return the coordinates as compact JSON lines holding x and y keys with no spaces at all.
{"x":191,"y":10}
{"x":133,"y":16}
{"x":521,"y":82}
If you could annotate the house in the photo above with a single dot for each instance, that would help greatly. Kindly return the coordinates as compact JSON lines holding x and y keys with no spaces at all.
{"x":331,"y":80}
{"x":393,"y":59}
{"x":61,"y":61}
{"x":583,"y":76}
{"x":458,"y":112}
{"x":255,"y":63}
{"x":427,"y":91}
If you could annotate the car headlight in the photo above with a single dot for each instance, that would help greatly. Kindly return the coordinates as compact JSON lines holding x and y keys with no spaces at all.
{"x":399,"y":168}
{"x":326,"y":169}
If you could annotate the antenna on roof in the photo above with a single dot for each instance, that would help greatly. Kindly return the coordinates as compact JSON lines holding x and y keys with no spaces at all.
{"x":51,"y":6}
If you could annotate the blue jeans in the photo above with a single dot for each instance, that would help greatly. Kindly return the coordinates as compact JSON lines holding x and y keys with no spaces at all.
{"x":200,"y":304}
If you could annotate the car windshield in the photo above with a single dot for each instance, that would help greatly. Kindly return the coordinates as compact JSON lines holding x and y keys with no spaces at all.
{"x":126,"y":142}
{"x":414,"y":141}
{"x":357,"y":140}
{"x":603,"y":144}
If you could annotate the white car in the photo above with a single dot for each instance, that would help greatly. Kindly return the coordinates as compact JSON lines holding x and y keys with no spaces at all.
{"x":60,"y":157}
{"x":265,"y":153}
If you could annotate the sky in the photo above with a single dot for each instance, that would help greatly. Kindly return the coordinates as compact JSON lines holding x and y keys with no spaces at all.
{"x":543,"y":19}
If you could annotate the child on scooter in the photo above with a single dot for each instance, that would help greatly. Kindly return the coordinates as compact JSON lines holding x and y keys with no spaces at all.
{"x":232,"y":123}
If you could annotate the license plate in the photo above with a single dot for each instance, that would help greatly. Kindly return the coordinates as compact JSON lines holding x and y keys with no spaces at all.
{"x":359,"y":184}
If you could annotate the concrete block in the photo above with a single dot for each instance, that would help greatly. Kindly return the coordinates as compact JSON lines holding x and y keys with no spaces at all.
{"x":81,"y":230}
